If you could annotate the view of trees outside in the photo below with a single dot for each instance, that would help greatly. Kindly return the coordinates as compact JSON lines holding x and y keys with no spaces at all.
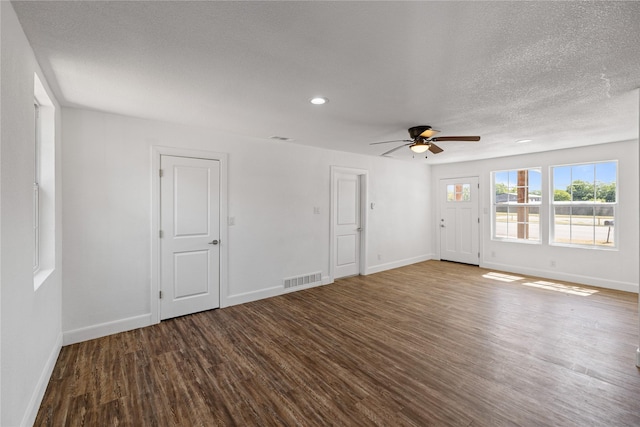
{"x":583,"y":204}
{"x":584,"y":199}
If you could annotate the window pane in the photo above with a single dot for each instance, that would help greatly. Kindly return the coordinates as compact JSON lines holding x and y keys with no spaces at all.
{"x":466,"y":192}
{"x":512,"y":223}
{"x":561,"y":183}
{"x":606,"y":182}
{"x":582,"y":183}
{"x":561,"y":217}
{"x":582,"y":225}
{"x":501,"y":186}
{"x":458,"y":188}
{"x":513,"y":179}
{"x":450,"y":193}
{"x":604,"y":231}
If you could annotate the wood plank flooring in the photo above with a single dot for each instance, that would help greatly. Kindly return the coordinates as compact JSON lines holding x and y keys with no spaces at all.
{"x":431,"y":344}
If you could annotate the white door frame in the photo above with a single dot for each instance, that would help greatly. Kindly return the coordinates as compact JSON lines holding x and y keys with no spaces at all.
{"x":364,"y":178}
{"x":156,"y":152}
{"x":438,"y":206}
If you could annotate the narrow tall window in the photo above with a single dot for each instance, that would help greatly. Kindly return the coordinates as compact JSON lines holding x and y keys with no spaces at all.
{"x":517,"y":195}
{"x":44,"y":185}
{"x":585,"y":199}
{"x":36,"y":190}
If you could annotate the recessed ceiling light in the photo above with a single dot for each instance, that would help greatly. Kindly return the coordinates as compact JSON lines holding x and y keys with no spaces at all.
{"x":319,"y":100}
{"x":522,"y":141}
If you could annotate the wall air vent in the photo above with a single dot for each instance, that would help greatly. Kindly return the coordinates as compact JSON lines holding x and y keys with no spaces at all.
{"x":309,"y":279}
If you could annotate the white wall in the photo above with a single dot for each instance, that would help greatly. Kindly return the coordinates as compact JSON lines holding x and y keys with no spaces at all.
{"x":273,"y":188}
{"x":30,"y":320}
{"x":615,"y":269}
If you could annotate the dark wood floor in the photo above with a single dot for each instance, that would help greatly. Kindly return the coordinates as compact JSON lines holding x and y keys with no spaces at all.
{"x":429,"y":344}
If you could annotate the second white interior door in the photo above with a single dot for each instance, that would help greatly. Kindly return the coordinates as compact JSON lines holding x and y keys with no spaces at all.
{"x":347,"y":224}
{"x":190,"y":242}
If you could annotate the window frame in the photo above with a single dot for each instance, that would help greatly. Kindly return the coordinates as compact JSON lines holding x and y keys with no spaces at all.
{"x":583,"y":204}
{"x":36,"y":187}
{"x":511,"y":204}
{"x":44,"y":188}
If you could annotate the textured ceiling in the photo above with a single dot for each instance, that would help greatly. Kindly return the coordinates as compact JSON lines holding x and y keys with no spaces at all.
{"x":564,"y":74}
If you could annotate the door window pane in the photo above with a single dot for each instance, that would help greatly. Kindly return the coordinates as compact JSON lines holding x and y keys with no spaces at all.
{"x":459,"y":192}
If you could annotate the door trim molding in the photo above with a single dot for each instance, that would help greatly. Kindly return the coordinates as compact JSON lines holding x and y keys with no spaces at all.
{"x":156,"y":153}
{"x":364,"y":202}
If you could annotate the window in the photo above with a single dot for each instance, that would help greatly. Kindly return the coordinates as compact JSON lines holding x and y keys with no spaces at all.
{"x":44,"y":197}
{"x":36,"y":189}
{"x":517,"y":195}
{"x":584,"y":204}
{"x":459,"y":193}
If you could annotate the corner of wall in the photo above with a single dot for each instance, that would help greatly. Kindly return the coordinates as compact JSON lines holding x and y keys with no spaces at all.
{"x":38,"y":393}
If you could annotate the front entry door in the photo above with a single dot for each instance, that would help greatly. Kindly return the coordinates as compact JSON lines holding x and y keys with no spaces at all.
{"x":190,"y":233}
{"x":459,"y":220}
{"x":347,"y":218}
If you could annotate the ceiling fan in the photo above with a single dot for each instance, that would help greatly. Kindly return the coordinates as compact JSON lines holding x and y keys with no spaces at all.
{"x":423,"y":139}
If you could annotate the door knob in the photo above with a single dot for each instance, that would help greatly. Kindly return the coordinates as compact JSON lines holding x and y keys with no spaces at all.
{"x":214,"y":242}
{"x":441,"y":225}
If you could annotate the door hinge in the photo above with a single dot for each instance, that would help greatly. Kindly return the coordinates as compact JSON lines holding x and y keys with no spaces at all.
{"x":161,"y":234}
{"x":160,"y":294}
{"x":160,"y":173}
{"x":478,"y":220}
{"x":478,"y":254}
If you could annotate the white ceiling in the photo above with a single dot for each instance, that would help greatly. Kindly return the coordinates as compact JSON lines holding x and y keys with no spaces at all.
{"x":564,"y":74}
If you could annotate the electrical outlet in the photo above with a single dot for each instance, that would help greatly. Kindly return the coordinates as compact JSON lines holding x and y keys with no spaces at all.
{"x":379,"y":257}
{"x":316,"y":210}
{"x":232,"y":220}
{"x":493,"y":254}
{"x":553,"y":263}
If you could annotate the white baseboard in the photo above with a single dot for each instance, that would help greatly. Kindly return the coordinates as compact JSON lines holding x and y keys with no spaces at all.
{"x":566,"y":277}
{"x":104,"y":329}
{"x":397,"y":264}
{"x":268,"y":293}
{"x":36,"y":399}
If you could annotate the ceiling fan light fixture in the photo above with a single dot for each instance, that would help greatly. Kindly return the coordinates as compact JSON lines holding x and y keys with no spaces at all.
{"x":419,"y":147}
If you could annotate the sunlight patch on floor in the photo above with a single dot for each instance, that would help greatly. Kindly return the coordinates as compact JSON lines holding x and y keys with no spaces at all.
{"x":502,"y":277}
{"x":542,"y":284}
{"x":567,"y":289}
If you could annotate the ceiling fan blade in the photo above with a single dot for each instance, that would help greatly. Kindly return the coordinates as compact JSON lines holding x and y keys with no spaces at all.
{"x":397,"y":148}
{"x":457,"y":138}
{"x":429,"y":133}
{"x":434,"y":148}
{"x":394,"y":140}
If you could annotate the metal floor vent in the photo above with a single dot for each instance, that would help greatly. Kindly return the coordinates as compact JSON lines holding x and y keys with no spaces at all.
{"x":308,"y":279}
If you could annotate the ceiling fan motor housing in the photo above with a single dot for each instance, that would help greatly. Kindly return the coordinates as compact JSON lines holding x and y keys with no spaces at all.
{"x":416,"y":131}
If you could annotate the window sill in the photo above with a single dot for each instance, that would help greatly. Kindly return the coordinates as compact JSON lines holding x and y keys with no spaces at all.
{"x":589,"y":247}
{"x":526,"y":242}
{"x":40,"y":277}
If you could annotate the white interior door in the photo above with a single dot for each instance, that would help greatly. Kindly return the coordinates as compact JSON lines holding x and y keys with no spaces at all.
{"x":459,"y":220}
{"x":347,"y":224}
{"x":190,"y":234}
